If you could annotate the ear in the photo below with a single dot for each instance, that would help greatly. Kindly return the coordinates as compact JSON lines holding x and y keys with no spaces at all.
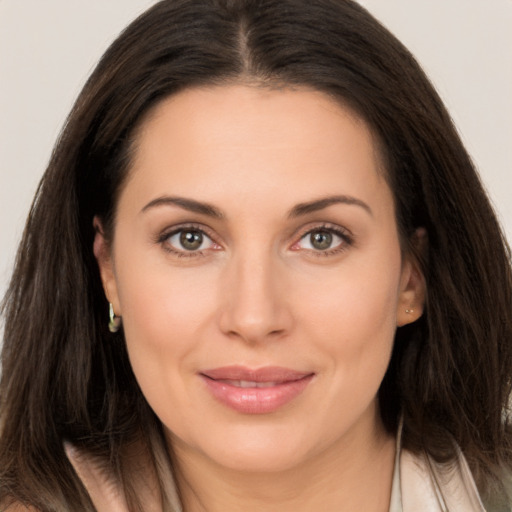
{"x":103,"y":253}
{"x":411,"y":300}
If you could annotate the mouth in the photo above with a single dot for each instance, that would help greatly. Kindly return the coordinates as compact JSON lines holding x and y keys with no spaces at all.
{"x":255,"y":391}
{"x":249,"y":384}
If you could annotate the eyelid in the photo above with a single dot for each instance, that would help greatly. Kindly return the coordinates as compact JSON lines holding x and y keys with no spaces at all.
{"x":318,"y":226}
{"x":164,"y":235}
{"x":340,"y":231}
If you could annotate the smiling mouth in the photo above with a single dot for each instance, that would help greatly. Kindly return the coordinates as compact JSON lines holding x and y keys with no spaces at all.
{"x":249,"y":383}
{"x":260,"y":391}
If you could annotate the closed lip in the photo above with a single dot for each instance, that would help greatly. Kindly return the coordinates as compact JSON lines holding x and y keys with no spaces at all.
{"x":276,"y":374}
{"x":255,"y":391}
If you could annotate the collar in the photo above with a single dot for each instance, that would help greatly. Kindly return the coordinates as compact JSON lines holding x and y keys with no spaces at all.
{"x":420,"y":483}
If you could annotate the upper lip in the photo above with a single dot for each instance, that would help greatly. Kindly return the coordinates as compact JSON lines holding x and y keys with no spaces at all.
{"x":264,"y":374}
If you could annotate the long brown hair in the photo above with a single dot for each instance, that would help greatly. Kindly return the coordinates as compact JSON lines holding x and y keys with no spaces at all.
{"x":66,"y":377}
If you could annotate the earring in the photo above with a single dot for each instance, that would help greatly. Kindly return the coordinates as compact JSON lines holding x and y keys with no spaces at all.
{"x":114,"y":321}
{"x":409,"y":311}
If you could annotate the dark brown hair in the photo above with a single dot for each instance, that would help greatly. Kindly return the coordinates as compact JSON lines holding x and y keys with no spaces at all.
{"x":65,"y":377}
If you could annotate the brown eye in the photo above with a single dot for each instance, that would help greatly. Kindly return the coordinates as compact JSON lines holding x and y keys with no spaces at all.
{"x":188,"y":241}
{"x":324,"y":241}
{"x":321,"y":240}
{"x":191,"y":240}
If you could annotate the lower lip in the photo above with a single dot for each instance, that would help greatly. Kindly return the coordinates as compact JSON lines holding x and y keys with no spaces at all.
{"x":257,"y":400}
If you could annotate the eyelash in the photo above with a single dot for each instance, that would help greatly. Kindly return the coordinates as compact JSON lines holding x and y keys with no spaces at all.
{"x":346,"y":237}
{"x":163,"y":240}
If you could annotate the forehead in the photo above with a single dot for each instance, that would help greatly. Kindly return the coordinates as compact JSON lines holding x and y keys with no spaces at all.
{"x":235,"y":113}
{"x":240,"y":140}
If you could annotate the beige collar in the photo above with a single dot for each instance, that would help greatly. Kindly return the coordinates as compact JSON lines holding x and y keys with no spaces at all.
{"x":420,"y":483}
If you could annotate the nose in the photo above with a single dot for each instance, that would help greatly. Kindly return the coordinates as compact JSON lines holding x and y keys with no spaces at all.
{"x":254,"y":304}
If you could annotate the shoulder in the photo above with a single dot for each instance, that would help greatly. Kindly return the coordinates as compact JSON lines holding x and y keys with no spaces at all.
{"x":105,"y":491}
{"x":104,"y":487}
{"x":448,"y":486}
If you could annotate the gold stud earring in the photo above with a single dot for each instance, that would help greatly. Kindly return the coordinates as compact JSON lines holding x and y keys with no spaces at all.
{"x":114,"y":321}
{"x":409,"y":311}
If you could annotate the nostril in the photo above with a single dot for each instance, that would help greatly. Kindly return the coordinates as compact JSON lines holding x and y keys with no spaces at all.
{"x":252,"y":306}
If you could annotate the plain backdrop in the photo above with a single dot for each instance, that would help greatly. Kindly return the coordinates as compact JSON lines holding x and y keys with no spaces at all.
{"x":48,"y":48}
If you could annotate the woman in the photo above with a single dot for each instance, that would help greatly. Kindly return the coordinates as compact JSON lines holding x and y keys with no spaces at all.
{"x":260,"y":273}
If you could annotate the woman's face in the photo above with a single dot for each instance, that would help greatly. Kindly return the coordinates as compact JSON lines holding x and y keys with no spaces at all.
{"x":257,"y":267}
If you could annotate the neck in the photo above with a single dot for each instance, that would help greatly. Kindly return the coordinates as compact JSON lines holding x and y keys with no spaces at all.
{"x":355,"y":473}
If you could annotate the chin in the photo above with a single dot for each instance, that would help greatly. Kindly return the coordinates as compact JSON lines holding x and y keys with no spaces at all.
{"x":265,"y":459}
{"x":266,"y":448}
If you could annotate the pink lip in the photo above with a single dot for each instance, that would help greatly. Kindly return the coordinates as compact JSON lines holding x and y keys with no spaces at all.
{"x":273,"y":387}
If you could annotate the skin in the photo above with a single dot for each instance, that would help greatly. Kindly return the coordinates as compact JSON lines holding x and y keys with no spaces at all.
{"x":258,"y":293}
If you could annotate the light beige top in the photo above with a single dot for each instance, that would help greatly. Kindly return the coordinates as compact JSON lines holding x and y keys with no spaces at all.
{"x":419,"y":485}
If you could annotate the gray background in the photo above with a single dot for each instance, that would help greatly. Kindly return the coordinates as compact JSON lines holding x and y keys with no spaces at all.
{"x":48,"y":48}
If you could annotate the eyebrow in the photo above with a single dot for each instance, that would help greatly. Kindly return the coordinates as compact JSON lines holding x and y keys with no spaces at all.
{"x":187,"y":204}
{"x":297,"y":211}
{"x":320,"y":204}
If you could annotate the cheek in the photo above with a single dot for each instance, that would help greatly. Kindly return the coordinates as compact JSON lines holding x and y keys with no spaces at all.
{"x":357,"y":334}
{"x":164,"y":313}
{"x":353,"y":320}
{"x":158,"y":301}
{"x":355,"y":300}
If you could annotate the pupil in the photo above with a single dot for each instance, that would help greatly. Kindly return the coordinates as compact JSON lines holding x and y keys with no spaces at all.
{"x":191,"y":240}
{"x":321,"y":240}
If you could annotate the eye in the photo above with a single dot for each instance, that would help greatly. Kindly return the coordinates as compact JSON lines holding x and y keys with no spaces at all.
{"x":323,"y":240}
{"x":189,"y":240}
